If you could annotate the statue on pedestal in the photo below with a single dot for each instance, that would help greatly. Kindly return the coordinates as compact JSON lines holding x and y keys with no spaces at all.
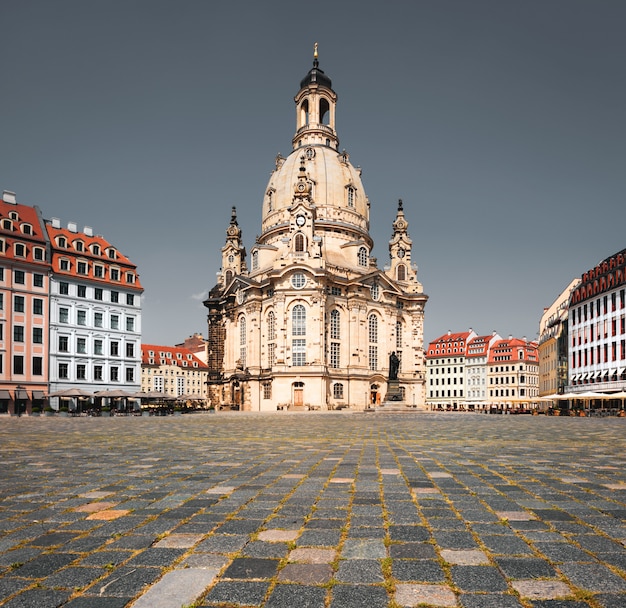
{"x":394,"y":366}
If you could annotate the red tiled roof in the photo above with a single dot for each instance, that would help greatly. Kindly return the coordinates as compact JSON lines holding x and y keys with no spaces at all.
{"x":172,"y":359}
{"x":508,"y":351}
{"x":448,"y":345}
{"x":87,"y":254}
{"x":13,"y":232}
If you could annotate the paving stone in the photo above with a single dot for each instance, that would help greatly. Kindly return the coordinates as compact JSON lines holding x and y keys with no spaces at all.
{"x":418,"y":570}
{"x":98,"y":602}
{"x":488,"y":600}
{"x":478,"y":578}
{"x":251,"y":567}
{"x":538,"y":590}
{"x":594,"y":577}
{"x":367,"y":571}
{"x":289,"y":596}
{"x":274,"y":536}
{"x":177,"y":587}
{"x":240,"y":593}
{"x":307,"y":574}
{"x":525,"y":568}
{"x":38,"y":598}
{"x":312,"y":556}
{"x":464,"y":557}
{"x":413,"y":595}
{"x":358,"y":596}
{"x":363,"y":549}
{"x":222,"y":543}
{"x":125,"y":581}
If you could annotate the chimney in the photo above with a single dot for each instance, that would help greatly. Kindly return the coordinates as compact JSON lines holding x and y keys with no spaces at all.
{"x":72,"y":226}
{"x":9,"y":197}
{"x":88,"y":230}
{"x":56,"y":222}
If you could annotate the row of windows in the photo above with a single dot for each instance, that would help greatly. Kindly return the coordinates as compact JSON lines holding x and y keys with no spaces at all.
{"x":98,"y":319}
{"x":602,"y":353}
{"x":81,"y":372}
{"x":95,"y":293}
{"x":7,"y":223}
{"x":99,"y":271}
{"x":601,"y":306}
{"x":19,"y":304}
{"x":79,"y":246}
{"x":20,"y":250}
{"x":19,"y":277}
{"x":599,"y":330}
{"x":19,"y":365}
{"x":97,"y":346}
{"x":19,"y":334}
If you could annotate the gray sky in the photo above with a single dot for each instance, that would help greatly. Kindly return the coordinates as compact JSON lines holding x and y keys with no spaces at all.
{"x":499,"y":123}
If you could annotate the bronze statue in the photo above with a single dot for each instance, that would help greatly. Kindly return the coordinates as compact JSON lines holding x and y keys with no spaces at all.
{"x":394,"y":365}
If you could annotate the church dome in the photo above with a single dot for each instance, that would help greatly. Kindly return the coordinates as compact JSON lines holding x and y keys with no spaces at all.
{"x":316,"y":173}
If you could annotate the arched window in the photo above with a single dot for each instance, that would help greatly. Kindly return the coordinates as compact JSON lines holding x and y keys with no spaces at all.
{"x":242,"y":341}
{"x":271,"y":325}
{"x":372,"y":322}
{"x":351,"y":193}
{"x":398,"y":335}
{"x":299,"y":242}
{"x":304,"y":113}
{"x":401,"y":272}
{"x":362,"y":255}
{"x":335,"y":325}
{"x":255,"y":260}
{"x":298,"y":320}
{"x":338,"y":390}
{"x":324,"y":112}
{"x":270,"y":201}
{"x":229,"y":276}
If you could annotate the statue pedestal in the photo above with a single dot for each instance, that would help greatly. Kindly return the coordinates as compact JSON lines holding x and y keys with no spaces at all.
{"x":393,"y":391}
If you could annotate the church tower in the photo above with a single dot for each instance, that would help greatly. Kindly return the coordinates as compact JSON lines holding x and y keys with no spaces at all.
{"x":312,"y":322}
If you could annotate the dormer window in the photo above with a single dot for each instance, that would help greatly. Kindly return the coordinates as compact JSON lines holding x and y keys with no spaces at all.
{"x":62,"y":241}
{"x":20,"y":250}
{"x":38,"y":253}
{"x":130,"y":277}
{"x":115,"y":274}
{"x":81,"y":267}
{"x":27,"y":229}
{"x":14,"y":216}
{"x":64,"y":265}
{"x":112,"y":253}
{"x":95,"y":249}
{"x":79,"y":246}
{"x":7,"y":224}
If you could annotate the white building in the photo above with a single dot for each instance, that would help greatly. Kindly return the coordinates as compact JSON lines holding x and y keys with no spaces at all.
{"x":476,"y":357}
{"x":312,"y":321}
{"x":95,"y":313}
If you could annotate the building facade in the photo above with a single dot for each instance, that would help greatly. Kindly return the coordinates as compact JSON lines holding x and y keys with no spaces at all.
{"x":445,"y":364}
{"x":312,"y":320}
{"x":513,"y":374}
{"x":173,"y":371}
{"x":95,"y":313}
{"x":24,"y":287}
{"x":597,"y":328}
{"x":476,"y":358}
{"x":554,"y":343}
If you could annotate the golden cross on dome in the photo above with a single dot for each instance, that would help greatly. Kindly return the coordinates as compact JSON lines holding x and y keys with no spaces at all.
{"x":315,"y":51}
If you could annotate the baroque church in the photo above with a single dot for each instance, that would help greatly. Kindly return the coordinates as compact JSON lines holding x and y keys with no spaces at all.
{"x":310,"y":321}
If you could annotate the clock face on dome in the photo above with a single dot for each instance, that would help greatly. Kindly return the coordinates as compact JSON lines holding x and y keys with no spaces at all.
{"x":401,"y":252}
{"x":301,"y":187}
{"x":300,"y":220}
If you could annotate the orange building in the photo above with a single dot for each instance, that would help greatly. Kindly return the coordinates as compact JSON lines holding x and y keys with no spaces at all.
{"x":24,"y":276}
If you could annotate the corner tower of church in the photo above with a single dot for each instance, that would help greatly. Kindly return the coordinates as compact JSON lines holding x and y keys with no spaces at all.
{"x":311,"y":321}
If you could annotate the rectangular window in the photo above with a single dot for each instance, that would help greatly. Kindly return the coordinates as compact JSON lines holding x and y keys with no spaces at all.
{"x":37,"y":366}
{"x":1,"y":301}
{"x":37,"y":306}
{"x":115,"y":274}
{"x":64,"y":288}
{"x":37,"y":280}
{"x":37,"y":335}
{"x":97,"y":347}
{"x":267,"y":390}
{"x":64,"y":315}
{"x":82,"y":291}
{"x":97,"y":372}
{"x":81,"y":372}
{"x":271,"y":354}
{"x":130,"y":277}
{"x":18,"y":304}
{"x":18,"y":364}
{"x":64,"y":265}
{"x":115,"y":374}
{"x":63,"y":371}
{"x":98,"y":319}
{"x":81,"y":317}
{"x":115,"y":322}
{"x":97,"y":293}
{"x":81,"y":345}
{"x":81,"y":268}
{"x":335,"y":348}
{"x":18,"y":333}
{"x":130,"y":323}
{"x":98,"y":271}
{"x":130,"y":350}
{"x":130,"y":375}
{"x":63,"y":344}
{"x":115,"y":349}
{"x":373,"y":357}
{"x":115,"y":297}
{"x":298,"y":352}
{"x":130,"y":299}
{"x":19,"y":277}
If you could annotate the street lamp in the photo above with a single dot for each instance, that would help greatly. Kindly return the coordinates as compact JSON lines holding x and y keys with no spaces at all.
{"x":18,"y":406}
